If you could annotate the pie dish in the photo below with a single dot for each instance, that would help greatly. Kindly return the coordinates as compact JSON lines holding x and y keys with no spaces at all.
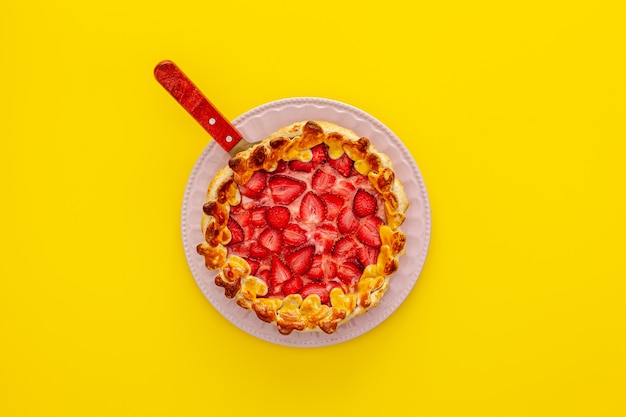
{"x":266,"y":298}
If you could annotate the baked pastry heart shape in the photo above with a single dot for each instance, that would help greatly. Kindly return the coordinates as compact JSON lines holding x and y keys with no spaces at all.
{"x":304,"y":227}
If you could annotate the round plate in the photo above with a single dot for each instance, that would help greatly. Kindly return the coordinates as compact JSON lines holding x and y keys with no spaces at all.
{"x":259,"y":123}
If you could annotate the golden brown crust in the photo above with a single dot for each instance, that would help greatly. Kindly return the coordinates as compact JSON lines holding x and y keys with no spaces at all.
{"x":293,"y":312}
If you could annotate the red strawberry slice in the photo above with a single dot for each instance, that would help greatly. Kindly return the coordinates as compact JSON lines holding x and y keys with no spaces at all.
{"x":325,"y":236}
{"x":249,"y":231}
{"x":345,"y":247}
{"x":297,"y":165}
{"x":238,"y":249}
{"x":281,"y":166}
{"x":320,"y":154}
{"x":294,"y":235}
{"x":278,"y":216}
{"x":301,"y":259}
{"x":368,"y":232}
{"x":257,"y":216}
{"x":248,"y":192}
{"x":272,"y":239}
{"x":236,"y":231}
{"x":316,"y":272}
{"x":279,"y":274}
{"x":344,"y":189}
{"x":293,"y":286}
{"x":347,"y":222}
{"x":258,"y":251}
{"x":316,"y":288}
{"x":327,"y":230}
{"x":343,"y":164}
{"x":333,"y":205}
{"x":254,"y":186}
{"x":329,"y":269}
{"x":349,"y":273}
{"x":240,"y":215}
{"x":367,"y":255}
{"x":322,"y":268}
{"x":364,"y":204}
{"x":254,"y":265}
{"x":312,"y":208}
{"x":322,"y":181}
{"x":264,"y":274}
{"x":285,"y":189}
{"x":236,"y":210}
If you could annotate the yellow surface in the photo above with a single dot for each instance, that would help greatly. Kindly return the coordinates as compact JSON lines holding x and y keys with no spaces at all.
{"x":514,"y":112}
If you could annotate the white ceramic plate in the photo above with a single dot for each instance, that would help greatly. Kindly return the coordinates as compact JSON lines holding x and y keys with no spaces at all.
{"x":257,"y":124}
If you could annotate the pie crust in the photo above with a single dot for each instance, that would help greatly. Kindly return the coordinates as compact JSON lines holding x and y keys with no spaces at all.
{"x":238,"y":274}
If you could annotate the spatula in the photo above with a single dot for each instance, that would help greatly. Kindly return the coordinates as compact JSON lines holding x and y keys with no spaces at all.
{"x":200,"y":108}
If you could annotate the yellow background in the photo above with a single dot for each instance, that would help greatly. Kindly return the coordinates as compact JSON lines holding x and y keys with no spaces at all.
{"x":514,"y":112}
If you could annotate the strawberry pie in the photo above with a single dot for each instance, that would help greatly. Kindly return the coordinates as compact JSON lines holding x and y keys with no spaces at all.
{"x":304,"y":227}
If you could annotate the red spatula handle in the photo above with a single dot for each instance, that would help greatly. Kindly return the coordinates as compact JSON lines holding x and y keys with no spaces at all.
{"x":196,"y":104}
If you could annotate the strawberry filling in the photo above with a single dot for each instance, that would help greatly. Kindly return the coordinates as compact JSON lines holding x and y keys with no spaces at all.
{"x":308,"y":227}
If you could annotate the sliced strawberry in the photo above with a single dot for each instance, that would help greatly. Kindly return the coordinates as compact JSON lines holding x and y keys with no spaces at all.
{"x":257,"y":216}
{"x":300,"y":260}
{"x":254,"y":186}
{"x":281,"y":166}
{"x":333,"y":205}
{"x":249,"y":231}
{"x":238,"y":249}
{"x":279,"y":274}
{"x":316,"y":272}
{"x":247,"y":192}
{"x":254,"y":265}
{"x":285,"y":189}
{"x":293,"y":286}
{"x":325,"y":235}
{"x":312,"y":208}
{"x":344,"y":247}
{"x":349,"y":273}
{"x":329,"y":269}
{"x":236,"y":231}
{"x":368,"y":232}
{"x":343,"y":164}
{"x":240,"y":215}
{"x":264,"y":274}
{"x":322,"y":181}
{"x":320,"y":153}
{"x":322,"y":269}
{"x":294,"y":235}
{"x":347,"y":222}
{"x":277,"y":216}
{"x":344,"y":189}
{"x":367,"y":255}
{"x":364,"y":204}
{"x":236,"y":210}
{"x":297,"y":165}
{"x":258,"y":251}
{"x":316,"y":288}
{"x":327,"y":230}
{"x":271,"y":239}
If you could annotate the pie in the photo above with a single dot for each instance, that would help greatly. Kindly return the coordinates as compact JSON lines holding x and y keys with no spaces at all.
{"x":303,"y":228}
